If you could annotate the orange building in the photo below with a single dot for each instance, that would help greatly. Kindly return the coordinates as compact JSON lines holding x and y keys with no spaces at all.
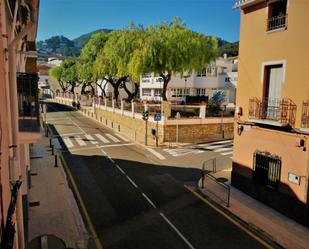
{"x":19,"y":116}
{"x":271,"y":147}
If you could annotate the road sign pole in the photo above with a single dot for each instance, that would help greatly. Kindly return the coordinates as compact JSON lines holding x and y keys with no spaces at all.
{"x":157,"y":134}
{"x":146,"y":133}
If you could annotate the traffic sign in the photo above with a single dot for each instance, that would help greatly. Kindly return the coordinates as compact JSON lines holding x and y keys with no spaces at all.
{"x":157,"y":117}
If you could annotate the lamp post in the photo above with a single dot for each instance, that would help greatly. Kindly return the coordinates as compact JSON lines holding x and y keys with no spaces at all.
{"x":185,"y":94}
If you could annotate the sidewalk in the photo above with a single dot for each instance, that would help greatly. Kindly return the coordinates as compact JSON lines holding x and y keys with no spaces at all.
{"x":52,"y":207}
{"x":278,"y":227}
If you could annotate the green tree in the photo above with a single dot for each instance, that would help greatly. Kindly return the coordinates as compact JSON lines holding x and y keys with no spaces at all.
{"x":85,"y":65}
{"x":66,"y":74}
{"x":171,"y":48}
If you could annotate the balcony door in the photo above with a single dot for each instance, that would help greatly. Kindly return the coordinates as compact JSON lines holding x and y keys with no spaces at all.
{"x":272,"y":91}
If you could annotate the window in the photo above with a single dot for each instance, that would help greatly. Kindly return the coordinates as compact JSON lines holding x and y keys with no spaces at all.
{"x":146,"y":81}
{"x":146,"y":92}
{"x":200,"y":91}
{"x":157,"y":92}
{"x":201,"y":73}
{"x":277,"y":15}
{"x":147,"y":75}
{"x":267,"y":169}
{"x":159,"y":79}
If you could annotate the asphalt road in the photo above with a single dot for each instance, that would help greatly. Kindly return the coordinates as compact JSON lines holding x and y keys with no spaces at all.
{"x":135,"y":200}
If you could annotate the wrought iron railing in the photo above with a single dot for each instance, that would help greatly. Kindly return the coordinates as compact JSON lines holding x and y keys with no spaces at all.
{"x":280,"y":110}
{"x":277,"y":22}
{"x":305,"y":115}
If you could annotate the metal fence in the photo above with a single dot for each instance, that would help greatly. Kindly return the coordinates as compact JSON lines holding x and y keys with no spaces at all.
{"x":216,"y":187}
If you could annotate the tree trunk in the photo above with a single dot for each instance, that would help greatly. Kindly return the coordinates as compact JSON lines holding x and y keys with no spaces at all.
{"x":166,"y":80}
{"x":72,"y":88}
{"x":136,"y":90}
{"x":130,"y":95}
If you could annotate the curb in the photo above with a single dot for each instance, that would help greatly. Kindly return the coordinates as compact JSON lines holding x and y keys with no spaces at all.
{"x":252,"y":230}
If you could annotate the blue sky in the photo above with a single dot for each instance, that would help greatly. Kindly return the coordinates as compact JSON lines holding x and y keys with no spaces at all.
{"x":73,"y":18}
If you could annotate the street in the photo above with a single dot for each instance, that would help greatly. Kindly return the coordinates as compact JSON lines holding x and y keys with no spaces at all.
{"x":135,"y":197}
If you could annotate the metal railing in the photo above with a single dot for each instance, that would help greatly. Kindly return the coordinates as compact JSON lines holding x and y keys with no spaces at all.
{"x":305,"y":115}
{"x":277,"y":22}
{"x":217,"y":188}
{"x":280,"y":110}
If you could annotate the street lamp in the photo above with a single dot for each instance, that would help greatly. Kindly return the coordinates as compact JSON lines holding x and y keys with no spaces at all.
{"x":185,"y":94}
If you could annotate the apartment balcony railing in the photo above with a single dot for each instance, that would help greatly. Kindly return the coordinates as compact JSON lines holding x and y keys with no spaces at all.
{"x":277,"y":22}
{"x":28,"y":102}
{"x":305,"y":115}
{"x":281,"y":112}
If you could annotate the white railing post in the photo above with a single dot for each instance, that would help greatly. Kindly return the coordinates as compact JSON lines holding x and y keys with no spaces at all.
{"x":105,"y":104}
{"x":113,"y":104}
{"x":133,"y":108}
{"x":122,"y":106}
{"x":203,"y":110}
{"x":145,"y":105}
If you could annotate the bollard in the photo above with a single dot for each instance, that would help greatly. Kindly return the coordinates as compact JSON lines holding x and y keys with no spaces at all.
{"x":50,"y":142}
{"x":56,"y":161}
{"x":53,"y":150}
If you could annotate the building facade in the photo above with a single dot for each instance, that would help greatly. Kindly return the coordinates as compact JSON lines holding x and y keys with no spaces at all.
{"x":271,"y":142}
{"x":220,"y":75}
{"x":19,"y":116}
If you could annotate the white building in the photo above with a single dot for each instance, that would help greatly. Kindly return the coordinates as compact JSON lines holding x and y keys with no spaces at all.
{"x":220,"y":75}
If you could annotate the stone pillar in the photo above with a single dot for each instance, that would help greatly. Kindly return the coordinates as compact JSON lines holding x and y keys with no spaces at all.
{"x":166,"y":109}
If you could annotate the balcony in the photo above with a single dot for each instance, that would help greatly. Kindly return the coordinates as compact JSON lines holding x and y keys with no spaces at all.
{"x":277,"y":22}
{"x":276,"y":112}
{"x":305,"y":116}
{"x":28,"y":106}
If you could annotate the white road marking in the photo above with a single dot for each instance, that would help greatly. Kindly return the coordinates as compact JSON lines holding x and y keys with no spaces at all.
{"x":217,"y":143}
{"x":177,"y":231}
{"x":67,"y":142}
{"x":80,"y":141}
{"x":123,"y":138}
{"x":151,"y":203}
{"x":103,"y":139}
{"x":182,"y":152}
{"x":115,"y":145}
{"x":133,"y":183}
{"x":158,"y":155}
{"x":223,"y":149}
{"x":91,"y":139}
{"x":112,"y":138}
{"x":213,"y":147}
{"x":71,"y":134}
{"x":227,"y":153}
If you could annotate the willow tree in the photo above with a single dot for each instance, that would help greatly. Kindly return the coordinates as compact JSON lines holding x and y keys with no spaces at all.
{"x":85,"y":65}
{"x":66,"y":75}
{"x":171,"y":48}
{"x":113,"y":59}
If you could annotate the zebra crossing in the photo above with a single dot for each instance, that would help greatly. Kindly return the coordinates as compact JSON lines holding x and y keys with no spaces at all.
{"x":225,"y":148}
{"x":92,"y":139}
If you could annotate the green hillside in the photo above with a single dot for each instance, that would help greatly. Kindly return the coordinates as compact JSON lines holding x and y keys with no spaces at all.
{"x":83,"y":39}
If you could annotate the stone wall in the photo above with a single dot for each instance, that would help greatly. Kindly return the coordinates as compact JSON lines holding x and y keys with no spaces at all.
{"x":198,"y":132}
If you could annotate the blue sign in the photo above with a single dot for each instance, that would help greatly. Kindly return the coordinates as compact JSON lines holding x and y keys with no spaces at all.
{"x":157,"y":117}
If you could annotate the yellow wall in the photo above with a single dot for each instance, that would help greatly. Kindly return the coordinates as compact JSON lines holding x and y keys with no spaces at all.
{"x":258,"y":46}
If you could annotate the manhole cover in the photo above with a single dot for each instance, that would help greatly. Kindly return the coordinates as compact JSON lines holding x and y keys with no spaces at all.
{"x":221,"y":179}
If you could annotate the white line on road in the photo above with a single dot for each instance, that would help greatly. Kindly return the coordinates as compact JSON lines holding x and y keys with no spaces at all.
{"x":80,"y":141}
{"x":112,"y":138}
{"x":71,"y":134}
{"x":151,"y":203}
{"x":218,"y":142}
{"x":103,"y":139}
{"x":177,"y":231}
{"x":91,"y":139}
{"x":223,"y":149}
{"x":123,"y":138}
{"x":213,"y":147}
{"x":68,"y":142}
{"x":133,"y":183}
{"x":158,"y":155}
{"x":227,"y":153}
{"x":115,"y":145}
